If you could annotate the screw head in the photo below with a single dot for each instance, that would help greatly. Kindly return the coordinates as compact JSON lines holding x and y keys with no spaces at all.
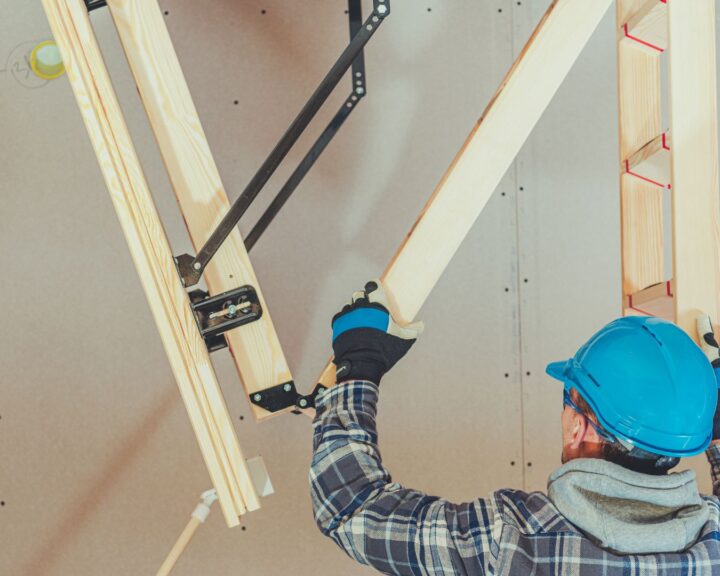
{"x":197,"y":265}
{"x":360,"y":90}
{"x":257,"y":397}
{"x":382,"y":9}
{"x":287,"y":387}
{"x":303,"y":402}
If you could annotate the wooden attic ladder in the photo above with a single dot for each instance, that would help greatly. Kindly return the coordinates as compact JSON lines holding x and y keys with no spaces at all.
{"x":680,"y":160}
{"x":255,"y":348}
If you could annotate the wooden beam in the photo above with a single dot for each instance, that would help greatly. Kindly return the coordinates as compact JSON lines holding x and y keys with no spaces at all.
{"x":255,"y":347}
{"x":486,"y":155}
{"x":639,"y":107}
{"x":153,"y":259}
{"x":693,"y":123}
{"x":641,"y":228}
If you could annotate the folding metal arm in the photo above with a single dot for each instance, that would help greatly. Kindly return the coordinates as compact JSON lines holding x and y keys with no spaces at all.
{"x":191,"y":268}
{"x":359,"y":89}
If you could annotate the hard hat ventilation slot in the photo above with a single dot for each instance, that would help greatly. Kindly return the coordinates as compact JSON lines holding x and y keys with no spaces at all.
{"x":652,"y":334}
{"x":593,"y":380}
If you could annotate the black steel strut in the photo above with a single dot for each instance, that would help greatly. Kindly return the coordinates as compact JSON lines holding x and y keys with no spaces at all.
{"x":191,"y":268}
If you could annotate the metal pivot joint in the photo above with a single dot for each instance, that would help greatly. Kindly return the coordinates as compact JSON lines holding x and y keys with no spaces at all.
{"x":217,"y":314}
{"x":191,"y":268}
{"x":284,"y":396}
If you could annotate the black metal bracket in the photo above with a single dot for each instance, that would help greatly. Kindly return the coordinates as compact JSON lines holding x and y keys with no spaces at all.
{"x":352,"y":56}
{"x":95,"y":4}
{"x":217,"y":314}
{"x":357,"y":93}
{"x":285,"y":395}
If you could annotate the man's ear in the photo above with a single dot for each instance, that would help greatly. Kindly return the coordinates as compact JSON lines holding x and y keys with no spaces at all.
{"x":583,"y":432}
{"x":578,"y":430}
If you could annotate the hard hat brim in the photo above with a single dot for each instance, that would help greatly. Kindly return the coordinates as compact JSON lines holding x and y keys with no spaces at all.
{"x":557,"y":370}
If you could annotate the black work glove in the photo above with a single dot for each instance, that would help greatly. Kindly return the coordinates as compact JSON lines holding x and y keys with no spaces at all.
{"x":366,"y":340}
{"x":710,"y":346}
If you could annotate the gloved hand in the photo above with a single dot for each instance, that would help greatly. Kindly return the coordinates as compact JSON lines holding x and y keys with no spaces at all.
{"x":366,"y":340}
{"x":709,"y":345}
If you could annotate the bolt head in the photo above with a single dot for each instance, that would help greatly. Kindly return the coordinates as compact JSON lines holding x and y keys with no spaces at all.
{"x":360,"y":90}
{"x":382,"y":9}
{"x":303,"y":403}
{"x":197,"y":265}
{"x":287,"y":387}
{"x":257,"y":397}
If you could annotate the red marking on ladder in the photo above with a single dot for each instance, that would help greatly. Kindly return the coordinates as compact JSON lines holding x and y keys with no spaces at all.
{"x":668,"y":291}
{"x":664,"y":141}
{"x":630,"y":305}
{"x":640,"y":41}
{"x":650,"y":180}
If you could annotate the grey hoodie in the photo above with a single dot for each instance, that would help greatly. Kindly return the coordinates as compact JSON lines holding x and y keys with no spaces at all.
{"x":628,"y":512}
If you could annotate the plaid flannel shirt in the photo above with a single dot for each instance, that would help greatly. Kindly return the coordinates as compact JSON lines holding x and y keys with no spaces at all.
{"x":402,"y":531}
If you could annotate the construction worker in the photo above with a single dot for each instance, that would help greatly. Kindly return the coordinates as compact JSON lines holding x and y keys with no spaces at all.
{"x":637,"y":397}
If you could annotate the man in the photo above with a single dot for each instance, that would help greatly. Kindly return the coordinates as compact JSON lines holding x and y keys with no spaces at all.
{"x":638,"y":396}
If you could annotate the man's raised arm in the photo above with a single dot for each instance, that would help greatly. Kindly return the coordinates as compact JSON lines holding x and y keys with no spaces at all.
{"x":375,"y":521}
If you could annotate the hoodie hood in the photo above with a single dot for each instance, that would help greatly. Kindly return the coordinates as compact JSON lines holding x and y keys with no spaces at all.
{"x":628,"y":512}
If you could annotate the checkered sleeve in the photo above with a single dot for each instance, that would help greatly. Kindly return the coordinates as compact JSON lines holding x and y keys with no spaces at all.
{"x":713,"y":456}
{"x":375,"y":521}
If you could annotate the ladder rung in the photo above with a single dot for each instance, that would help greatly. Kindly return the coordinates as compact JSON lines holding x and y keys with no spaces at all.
{"x":652,"y":162}
{"x":648,"y":26}
{"x":655,"y":300}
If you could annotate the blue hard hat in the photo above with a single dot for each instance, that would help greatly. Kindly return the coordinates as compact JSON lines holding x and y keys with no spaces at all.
{"x":648,"y":384}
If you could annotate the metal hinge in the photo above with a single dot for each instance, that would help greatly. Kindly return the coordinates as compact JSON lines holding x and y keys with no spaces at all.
{"x":217,"y":314}
{"x":284,"y":396}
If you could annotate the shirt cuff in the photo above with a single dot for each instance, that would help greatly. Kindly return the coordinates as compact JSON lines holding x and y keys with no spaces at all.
{"x":352,"y":395}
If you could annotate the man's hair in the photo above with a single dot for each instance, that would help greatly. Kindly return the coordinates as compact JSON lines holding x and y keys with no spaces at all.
{"x":617,"y":453}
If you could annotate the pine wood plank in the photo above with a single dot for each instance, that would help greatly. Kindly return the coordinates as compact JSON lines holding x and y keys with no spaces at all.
{"x":639,"y":108}
{"x":627,"y":8}
{"x":693,"y":123}
{"x":641,"y":233}
{"x":648,"y":26}
{"x":255,"y":348}
{"x":486,"y":155}
{"x":151,"y":254}
{"x":656,"y":300}
{"x":652,"y":162}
